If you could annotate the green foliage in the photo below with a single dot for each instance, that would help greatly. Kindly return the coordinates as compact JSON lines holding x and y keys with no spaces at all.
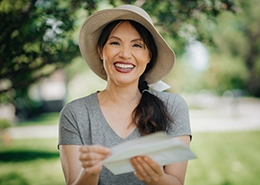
{"x":36,"y":39}
{"x":237,"y":37}
{"x":234,"y":50}
{"x":184,"y":20}
{"x":4,"y":124}
{"x":225,"y":72}
{"x":38,"y":36}
{"x":43,"y":119}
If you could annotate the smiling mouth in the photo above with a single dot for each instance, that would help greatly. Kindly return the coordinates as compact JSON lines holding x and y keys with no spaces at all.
{"x":124,"y":66}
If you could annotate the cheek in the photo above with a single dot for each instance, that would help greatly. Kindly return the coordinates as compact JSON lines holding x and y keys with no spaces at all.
{"x":107,"y":57}
{"x":143,"y":62}
{"x":108,"y":53}
{"x":145,"y":57}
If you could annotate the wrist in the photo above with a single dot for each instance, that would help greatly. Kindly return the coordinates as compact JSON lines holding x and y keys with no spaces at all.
{"x":165,"y":179}
{"x":89,"y":173}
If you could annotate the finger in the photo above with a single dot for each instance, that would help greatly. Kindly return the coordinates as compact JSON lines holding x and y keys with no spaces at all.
{"x":91,"y":157}
{"x":153,"y":165}
{"x":151,"y":172}
{"x":152,"y":168}
{"x":95,"y":148}
{"x":90,"y":163}
{"x":95,"y":169}
{"x":93,"y":152}
{"x":140,"y":172}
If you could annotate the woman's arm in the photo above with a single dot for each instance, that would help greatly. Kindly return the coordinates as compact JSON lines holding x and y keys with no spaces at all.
{"x":82,"y":164}
{"x":152,"y":173}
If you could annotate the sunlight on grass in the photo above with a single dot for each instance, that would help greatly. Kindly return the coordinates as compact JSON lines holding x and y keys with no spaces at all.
{"x":30,"y":161}
{"x":40,"y":172}
{"x":225,"y":159}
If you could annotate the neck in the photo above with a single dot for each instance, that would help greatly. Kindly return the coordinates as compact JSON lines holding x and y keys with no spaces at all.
{"x":120,"y":95}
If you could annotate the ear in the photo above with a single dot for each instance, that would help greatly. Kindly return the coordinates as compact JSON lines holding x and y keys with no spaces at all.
{"x":100,"y":53}
{"x":150,"y":57}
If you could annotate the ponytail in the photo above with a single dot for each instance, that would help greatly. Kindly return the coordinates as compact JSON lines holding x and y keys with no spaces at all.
{"x":151,"y":114}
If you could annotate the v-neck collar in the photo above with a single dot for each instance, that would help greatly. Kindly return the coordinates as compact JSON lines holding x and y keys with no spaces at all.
{"x":134,"y":134}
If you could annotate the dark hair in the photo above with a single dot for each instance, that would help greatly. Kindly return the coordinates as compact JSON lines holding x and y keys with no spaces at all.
{"x":151,"y":114}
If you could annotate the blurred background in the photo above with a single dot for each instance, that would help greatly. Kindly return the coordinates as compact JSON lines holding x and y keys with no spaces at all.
{"x":217,"y":43}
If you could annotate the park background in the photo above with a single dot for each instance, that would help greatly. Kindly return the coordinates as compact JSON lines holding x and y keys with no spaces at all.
{"x":217,"y":45}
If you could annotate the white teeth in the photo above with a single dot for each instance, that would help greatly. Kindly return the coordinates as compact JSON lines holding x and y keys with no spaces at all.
{"x":124,"y":66}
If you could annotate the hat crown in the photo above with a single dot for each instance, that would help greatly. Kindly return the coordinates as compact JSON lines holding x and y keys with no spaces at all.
{"x":136,"y":10}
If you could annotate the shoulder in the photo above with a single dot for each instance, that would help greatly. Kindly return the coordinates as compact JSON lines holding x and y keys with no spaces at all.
{"x":170,"y":98}
{"x":80,"y":103}
{"x":179,"y":111}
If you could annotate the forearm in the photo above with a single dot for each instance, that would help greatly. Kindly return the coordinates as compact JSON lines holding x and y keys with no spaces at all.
{"x":84,"y":178}
{"x":166,"y":179}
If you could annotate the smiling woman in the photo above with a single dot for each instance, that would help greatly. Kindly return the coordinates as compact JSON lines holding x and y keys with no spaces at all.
{"x":123,"y":47}
{"x":124,"y":54}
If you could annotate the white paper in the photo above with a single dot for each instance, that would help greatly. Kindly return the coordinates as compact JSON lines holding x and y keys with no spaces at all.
{"x":158,"y":146}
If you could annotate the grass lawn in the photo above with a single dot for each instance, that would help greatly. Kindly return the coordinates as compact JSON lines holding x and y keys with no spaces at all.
{"x":43,"y":119}
{"x":30,"y":162}
{"x":223,"y":159}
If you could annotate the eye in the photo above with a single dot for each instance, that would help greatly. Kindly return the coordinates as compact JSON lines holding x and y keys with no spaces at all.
{"x":114,"y":43}
{"x":138,"y":45}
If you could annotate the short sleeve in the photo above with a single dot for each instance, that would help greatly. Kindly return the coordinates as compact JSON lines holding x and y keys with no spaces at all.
{"x":179,"y":112}
{"x":69,"y":133}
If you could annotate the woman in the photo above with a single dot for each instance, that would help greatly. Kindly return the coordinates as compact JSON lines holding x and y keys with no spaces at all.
{"x":123,"y":47}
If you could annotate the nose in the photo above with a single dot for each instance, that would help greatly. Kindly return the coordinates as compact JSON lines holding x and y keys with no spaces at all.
{"x":125,"y":52}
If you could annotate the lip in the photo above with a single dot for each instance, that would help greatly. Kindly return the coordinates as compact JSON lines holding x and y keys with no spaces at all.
{"x":124,"y":67}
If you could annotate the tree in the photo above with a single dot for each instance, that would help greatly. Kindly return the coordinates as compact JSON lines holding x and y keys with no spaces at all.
{"x":236,"y":56}
{"x":37,"y":36}
{"x":185,"y":20}
{"x":248,"y":25}
{"x":36,"y":39}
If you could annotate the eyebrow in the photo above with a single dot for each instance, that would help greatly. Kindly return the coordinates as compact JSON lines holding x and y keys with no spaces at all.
{"x":134,"y":40}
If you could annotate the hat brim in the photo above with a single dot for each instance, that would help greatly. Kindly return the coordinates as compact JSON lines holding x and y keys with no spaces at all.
{"x":94,"y":25}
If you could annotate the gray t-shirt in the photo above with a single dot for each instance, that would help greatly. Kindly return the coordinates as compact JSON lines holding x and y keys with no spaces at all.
{"x":83,"y":123}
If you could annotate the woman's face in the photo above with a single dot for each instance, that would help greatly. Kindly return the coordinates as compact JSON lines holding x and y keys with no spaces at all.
{"x":124,"y":55}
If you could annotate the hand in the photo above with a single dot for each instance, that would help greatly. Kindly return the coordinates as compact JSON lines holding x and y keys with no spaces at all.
{"x":146,"y":169}
{"x":91,"y":157}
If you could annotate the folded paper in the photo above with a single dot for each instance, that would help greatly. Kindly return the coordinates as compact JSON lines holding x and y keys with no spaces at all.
{"x":158,"y":146}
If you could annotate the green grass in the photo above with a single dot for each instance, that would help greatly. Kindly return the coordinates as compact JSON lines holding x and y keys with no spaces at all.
{"x":223,"y":159}
{"x":43,"y":119}
{"x":30,"y":162}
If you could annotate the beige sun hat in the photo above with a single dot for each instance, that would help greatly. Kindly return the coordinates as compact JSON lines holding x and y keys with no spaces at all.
{"x":93,"y":26}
